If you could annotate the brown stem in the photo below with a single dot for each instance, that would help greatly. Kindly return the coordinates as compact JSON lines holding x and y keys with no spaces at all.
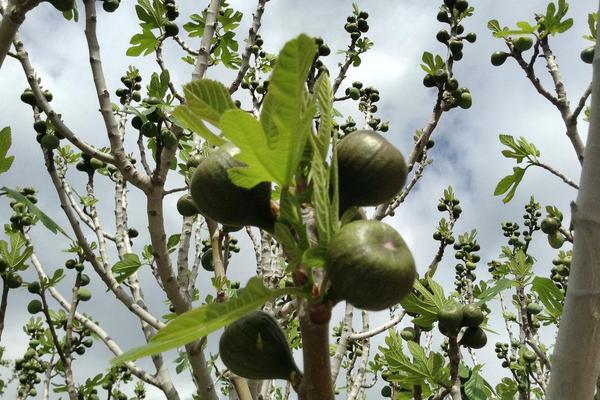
{"x":316,"y":383}
{"x":3,"y":305}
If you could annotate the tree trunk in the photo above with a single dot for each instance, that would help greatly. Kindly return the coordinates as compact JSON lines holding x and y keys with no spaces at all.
{"x":577,"y":351}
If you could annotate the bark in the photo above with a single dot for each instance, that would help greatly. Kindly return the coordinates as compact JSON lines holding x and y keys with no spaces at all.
{"x":576,"y":363}
{"x":209,"y":29}
{"x":316,"y":383}
{"x":3,"y":305}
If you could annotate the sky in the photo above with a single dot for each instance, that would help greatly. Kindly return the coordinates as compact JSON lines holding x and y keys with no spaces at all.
{"x":466,"y":155}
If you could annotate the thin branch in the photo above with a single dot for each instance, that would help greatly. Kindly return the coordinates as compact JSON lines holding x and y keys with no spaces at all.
{"x":555,"y":172}
{"x":381,"y":328}
{"x":581,"y":103}
{"x":49,"y":111}
{"x":116,"y":143}
{"x":65,"y":358}
{"x":175,"y":190}
{"x":3,"y":305}
{"x":389,"y":209}
{"x":340,"y":350}
{"x":256,"y":22}
{"x":161,"y":63}
{"x":364,"y":361}
{"x":184,"y":46}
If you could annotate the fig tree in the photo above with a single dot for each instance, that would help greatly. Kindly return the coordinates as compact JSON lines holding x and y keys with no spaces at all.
{"x":255,"y":347}
{"x":218,"y":198}
{"x":371,"y":170}
{"x":369,"y":265}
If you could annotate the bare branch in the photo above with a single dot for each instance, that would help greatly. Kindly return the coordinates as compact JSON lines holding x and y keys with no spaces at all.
{"x":581,"y":103}
{"x":555,"y":172}
{"x":364,"y":361}
{"x":12,"y":18}
{"x":365,"y":334}
{"x":340,"y":350}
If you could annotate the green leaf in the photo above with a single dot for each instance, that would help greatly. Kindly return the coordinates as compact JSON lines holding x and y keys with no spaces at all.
{"x":285,"y":116}
{"x":206,"y":319}
{"x":494,"y":26}
{"x":507,"y":389}
{"x":491,"y":292}
{"x":126,"y":267}
{"x":46,"y":220}
{"x":263,"y":164}
{"x":189,"y":120}
{"x":550,"y":295}
{"x":319,"y":180}
{"x":5,"y":142}
{"x":142,"y":44}
{"x":208,"y":99}
{"x":476,"y":387}
{"x":324,"y":100}
{"x":18,"y":252}
{"x":415,"y":371}
{"x":509,"y":184}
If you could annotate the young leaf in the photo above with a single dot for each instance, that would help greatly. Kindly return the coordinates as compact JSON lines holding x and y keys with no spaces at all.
{"x":509,"y":184}
{"x":324,"y":100}
{"x":206,"y":319}
{"x":142,"y":44}
{"x":263,"y":164}
{"x":550,"y":296}
{"x":285,"y":116}
{"x":5,"y":142}
{"x":126,"y":267}
{"x":208,"y":99}
{"x":476,"y":387}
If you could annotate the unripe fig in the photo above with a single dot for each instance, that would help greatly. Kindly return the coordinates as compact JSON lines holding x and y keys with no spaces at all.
{"x":371,"y":170}
{"x":369,"y":265}
{"x":255,"y":347}
{"x":218,"y":198}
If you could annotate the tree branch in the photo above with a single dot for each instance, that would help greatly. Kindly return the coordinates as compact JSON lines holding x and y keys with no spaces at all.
{"x":209,"y":30}
{"x":116,"y":143}
{"x":256,"y":22}
{"x":555,"y":172}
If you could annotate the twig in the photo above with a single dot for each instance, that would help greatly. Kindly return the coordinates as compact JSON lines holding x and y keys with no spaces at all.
{"x":340,"y":350}
{"x":581,"y":103}
{"x":184,"y":46}
{"x":175,"y":190}
{"x":555,"y":172}
{"x":3,"y":305}
{"x":381,"y":328}
{"x":256,"y":22}
{"x":364,"y":361}
{"x":65,"y":358}
{"x":161,"y":63}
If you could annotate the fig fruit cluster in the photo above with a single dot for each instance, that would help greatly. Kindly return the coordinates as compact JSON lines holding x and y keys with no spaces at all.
{"x":453,"y":317}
